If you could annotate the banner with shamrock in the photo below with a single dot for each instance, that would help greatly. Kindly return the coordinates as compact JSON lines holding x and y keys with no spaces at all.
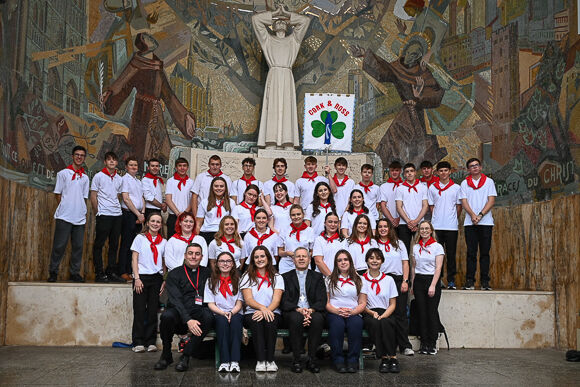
{"x":328,"y":122}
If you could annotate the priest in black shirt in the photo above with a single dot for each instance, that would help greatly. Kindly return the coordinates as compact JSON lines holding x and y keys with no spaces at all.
{"x":186,"y":311}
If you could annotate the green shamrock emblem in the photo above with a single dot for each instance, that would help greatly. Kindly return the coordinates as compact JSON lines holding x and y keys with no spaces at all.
{"x":327,"y":126}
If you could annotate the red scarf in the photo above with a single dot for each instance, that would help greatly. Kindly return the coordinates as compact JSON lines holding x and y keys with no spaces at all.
{"x":341,"y":183}
{"x":305,"y":175}
{"x":262,"y":238}
{"x":482,"y":180}
{"x":188,"y":241}
{"x":345,"y":281}
{"x":414,"y":186}
{"x":366,"y":187}
{"x":219,"y":206}
{"x":282,"y":180}
{"x":180,"y":180}
{"x":424,"y":245}
{"x":154,"y":178}
{"x":359,"y":212}
{"x":106,"y":172}
{"x":374,"y":281}
{"x":438,"y":186}
{"x":216,"y":175}
{"x":387,"y":245}
{"x":325,"y":206}
{"x":297,"y":230}
{"x":225,"y":286}
{"x":264,"y":279}
{"x":78,"y":172}
{"x":285,"y":205}
{"x":396,"y":183}
{"x":252,"y":209}
{"x":331,"y":238}
{"x":223,"y":239}
{"x":433,"y":179}
{"x":248,"y":181}
{"x":363,"y":243}
{"x":154,"y":244}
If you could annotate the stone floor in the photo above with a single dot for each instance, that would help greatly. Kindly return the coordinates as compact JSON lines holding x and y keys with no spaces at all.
{"x":112,"y":366}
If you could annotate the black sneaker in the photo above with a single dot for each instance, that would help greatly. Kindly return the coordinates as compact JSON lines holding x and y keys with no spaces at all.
{"x":432,"y":350}
{"x":423,"y":349}
{"x":113,"y":277}
{"x":469,"y":285}
{"x":52,"y":277}
{"x":101,"y":278}
{"x":77,"y":278}
{"x":485,"y":286}
{"x":394,"y":366}
{"x":384,"y":367}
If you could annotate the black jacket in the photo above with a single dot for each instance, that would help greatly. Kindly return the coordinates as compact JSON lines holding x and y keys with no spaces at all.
{"x":315,"y":291}
{"x":181,"y":292}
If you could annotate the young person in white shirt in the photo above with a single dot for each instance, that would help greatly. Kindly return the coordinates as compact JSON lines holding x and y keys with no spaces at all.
{"x":261,"y":235}
{"x":327,"y":244}
{"x":133,"y":207}
{"x":322,"y":204}
{"x":147,"y":261}
{"x":371,"y":191}
{"x":426,"y":272}
{"x":279,"y":165}
{"x":427,"y":176}
{"x":72,"y":191}
{"x":477,"y":198}
{"x":341,"y":185}
{"x":445,"y":207}
{"x":227,"y":239}
{"x":178,"y":194}
{"x":201,"y":188}
{"x":356,"y":207}
{"x":105,"y":195}
{"x":412,"y":204}
{"x":281,"y":208}
{"x":245,"y":211}
{"x":239,"y":186}
{"x":379,"y":318}
{"x":347,"y":300}
{"x":153,"y":188}
{"x":298,"y":235}
{"x":262,"y":290}
{"x":388,"y":204}
{"x":212,"y":209}
{"x":223,"y":298}
{"x":360,"y":241}
{"x":183,"y":237}
{"x":305,"y":185}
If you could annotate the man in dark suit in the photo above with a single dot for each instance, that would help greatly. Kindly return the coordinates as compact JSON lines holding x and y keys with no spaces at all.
{"x":303,"y":307}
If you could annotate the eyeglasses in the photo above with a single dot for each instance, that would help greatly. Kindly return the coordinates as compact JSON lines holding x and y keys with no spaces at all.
{"x":79,"y":155}
{"x":228,"y":262}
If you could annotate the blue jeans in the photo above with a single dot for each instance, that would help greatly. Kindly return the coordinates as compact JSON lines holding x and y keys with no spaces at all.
{"x":337,"y":326}
{"x":229,"y":337}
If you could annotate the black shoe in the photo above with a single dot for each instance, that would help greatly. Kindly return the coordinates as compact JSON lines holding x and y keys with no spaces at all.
{"x":52,"y":277}
{"x":485,"y":286}
{"x":423,"y":349}
{"x":394,"y":366}
{"x":469,"y":285}
{"x":77,"y":278}
{"x":286,"y":350}
{"x":352,"y":369}
{"x":101,"y":278}
{"x":296,"y":367}
{"x":341,"y":369}
{"x":312,"y":367}
{"x":183,"y":364}
{"x":384,"y":367}
{"x":163,"y":363}
{"x":113,"y":277}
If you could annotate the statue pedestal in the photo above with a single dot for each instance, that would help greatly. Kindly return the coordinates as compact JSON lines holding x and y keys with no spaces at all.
{"x":275,"y":153}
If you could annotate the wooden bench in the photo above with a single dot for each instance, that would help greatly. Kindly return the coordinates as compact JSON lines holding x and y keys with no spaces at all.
{"x":283,"y":333}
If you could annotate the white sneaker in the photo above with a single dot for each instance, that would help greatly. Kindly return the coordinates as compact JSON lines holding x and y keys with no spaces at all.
{"x":152,"y":348}
{"x":234,"y":367}
{"x":408,"y":352}
{"x":139,"y":348}
{"x":224,"y":367}
{"x":261,"y":366}
{"x":271,"y":366}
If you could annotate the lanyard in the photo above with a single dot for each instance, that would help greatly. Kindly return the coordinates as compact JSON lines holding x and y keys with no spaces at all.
{"x":190,"y":281}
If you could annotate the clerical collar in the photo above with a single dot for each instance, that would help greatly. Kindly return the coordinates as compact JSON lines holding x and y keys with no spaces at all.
{"x":301,"y":272}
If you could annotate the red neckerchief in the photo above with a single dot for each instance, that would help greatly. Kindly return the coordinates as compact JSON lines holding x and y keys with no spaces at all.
{"x":297,"y":230}
{"x":223,"y":239}
{"x":363,"y":243}
{"x":414,"y":186}
{"x":180,"y":180}
{"x":343,"y":181}
{"x":433,"y":179}
{"x":345,"y":281}
{"x":154,"y":178}
{"x":282,"y":180}
{"x":287,"y":204}
{"x":330,"y":239}
{"x":225,"y":286}
{"x":482,"y":180}
{"x":387,"y":245}
{"x":396,"y":183}
{"x":188,"y":241}
{"x":153,"y":245}
{"x":106,"y":172}
{"x":262,"y":238}
{"x":375,"y":281}
{"x":216,"y":175}
{"x":366,"y":187}
{"x":219,"y":206}
{"x":78,"y":172}
{"x":325,"y":206}
{"x":359,"y":212}
{"x":438,"y":186}
{"x":425,"y":244}
{"x":248,"y":181}
{"x":305,"y":175}
{"x":252,"y":209}
{"x":264,"y":279}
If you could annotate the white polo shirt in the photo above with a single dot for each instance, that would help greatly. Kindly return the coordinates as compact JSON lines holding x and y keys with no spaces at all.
{"x":343,"y":190}
{"x":175,"y":251}
{"x":316,"y":222}
{"x":290,"y":243}
{"x":152,"y":192}
{"x":327,"y":250}
{"x":215,"y":250}
{"x":477,"y":199}
{"x":425,"y":258}
{"x":359,"y":252}
{"x":344,"y":295}
{"x":146,"y":261}
{"x":305,"y":189}
{"x":444,"y":206}
{"x":108,"y":190}
{"x":202,"y":184}
{"x":371,"y":198}
{"x":73,"y":206}
{"x":134,"y":188}
{"x":281,"y":216}
{"x":412,"y":201}
{"x":271,"y":243}
{"x":239,"y":187}
{"x":181,"y":196}
{"x":388,"y":196}
{"x":348,"y":219}
{"x":386,"y":287}
{"x":244,"y":218}
{"x":265,"y":294}
{"x":211,"y":222}
{"x":394,"y":258}
{"x":224,"y":303}
{"x":269,"y":189}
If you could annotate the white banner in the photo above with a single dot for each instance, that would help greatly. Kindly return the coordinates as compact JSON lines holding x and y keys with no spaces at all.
{"x":328,"y":122}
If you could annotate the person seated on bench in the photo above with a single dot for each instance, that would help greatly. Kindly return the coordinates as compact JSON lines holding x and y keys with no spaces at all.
{"x":347,"y":299}
{"x":303,"y":307}
{"x":262,"y":290}
{"x":186,"y":311}
{"x":224,"y":300}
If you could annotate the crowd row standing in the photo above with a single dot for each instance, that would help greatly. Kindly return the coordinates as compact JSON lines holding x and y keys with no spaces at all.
{"x":335,"y":221}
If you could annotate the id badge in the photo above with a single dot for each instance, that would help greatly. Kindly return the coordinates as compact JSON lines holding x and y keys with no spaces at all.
{"x":198,"y":300}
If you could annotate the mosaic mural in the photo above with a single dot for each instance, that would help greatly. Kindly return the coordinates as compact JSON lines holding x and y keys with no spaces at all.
{"x":499,"y":80}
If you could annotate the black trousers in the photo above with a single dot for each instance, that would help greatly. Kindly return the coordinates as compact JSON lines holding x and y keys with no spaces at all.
{"x":171,"y":220}
{"x":427,"y":308}
{"x":406,"y":236}
{"x":149,"y":211}
{"x":382,"y":333}
{"x":448,"y":239}
{"x":208,"y":236}
{"x":64,"y":230}
{"x":478,"y":237}
{"x":400,"y":316}
{"x":171,"y":323}
{"x":145,"y":307}
{"x":107,"y":227}
{"x":294,"y":320}
{"x":263,"y":336}
{"x":129,"y":230}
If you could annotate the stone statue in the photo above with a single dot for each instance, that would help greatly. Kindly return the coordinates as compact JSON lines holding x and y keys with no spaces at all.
{"x":279,"y":120}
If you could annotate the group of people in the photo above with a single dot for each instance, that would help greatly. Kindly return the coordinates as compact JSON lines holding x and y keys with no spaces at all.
{"x":320,"y":252}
